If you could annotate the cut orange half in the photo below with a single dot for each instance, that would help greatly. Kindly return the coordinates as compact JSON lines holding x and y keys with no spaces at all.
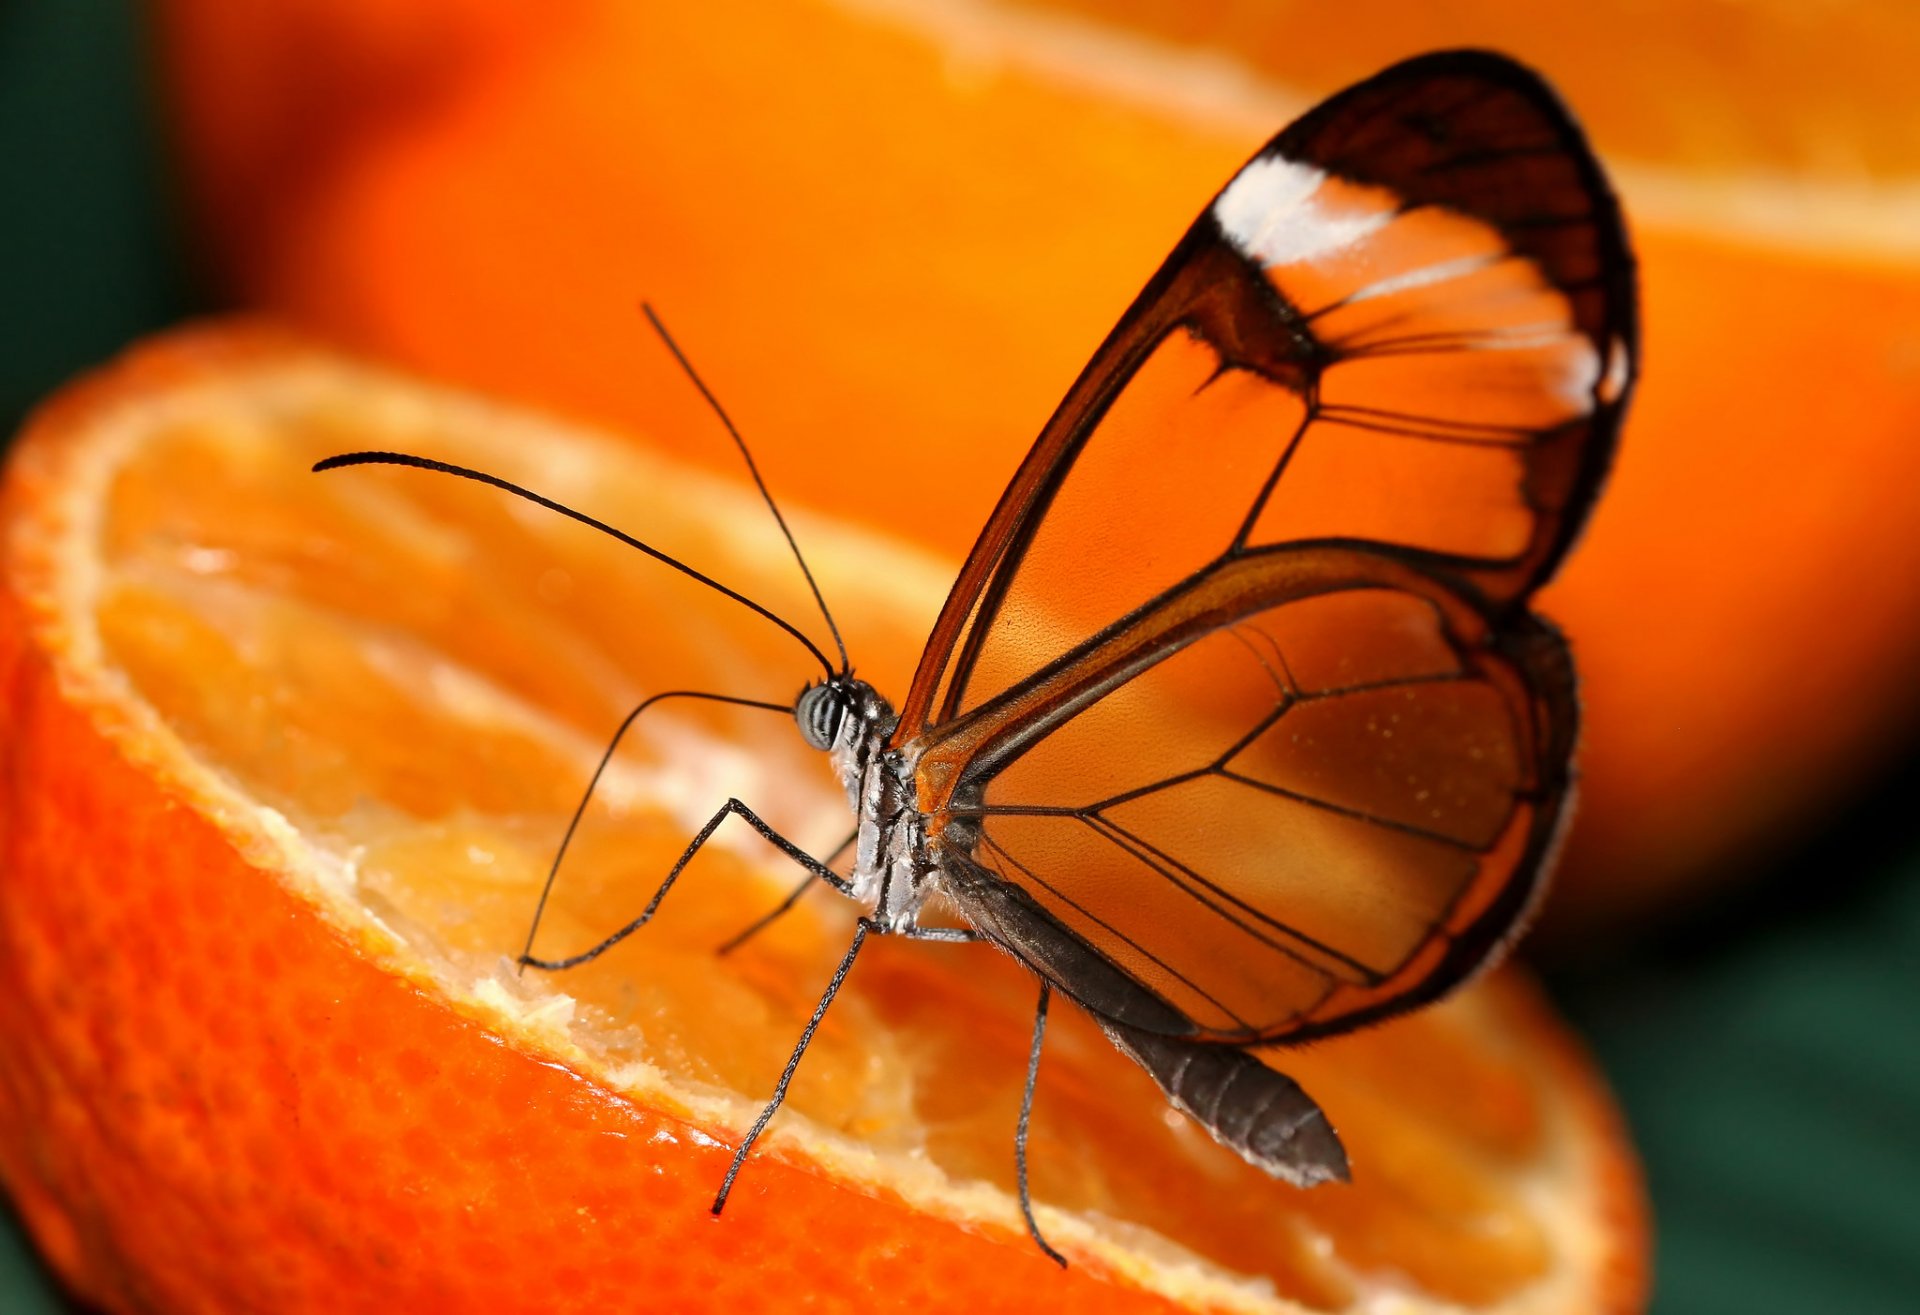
{"x":286,"y":758}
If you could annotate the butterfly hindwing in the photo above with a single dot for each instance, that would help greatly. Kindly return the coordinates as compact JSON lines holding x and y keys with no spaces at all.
{"x":1310,"y":789}
{"x":1239,"y":686}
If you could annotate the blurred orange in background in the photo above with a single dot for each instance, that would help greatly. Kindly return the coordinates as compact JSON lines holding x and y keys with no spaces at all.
{"x":890,"y":232}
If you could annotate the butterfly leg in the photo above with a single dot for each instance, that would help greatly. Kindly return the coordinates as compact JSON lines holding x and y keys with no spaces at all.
{"x":793,"y":1062}
{"x":968,"y":936}
{"x":593,"y":783}
{"x":785,"y":906}
{"x":941,"y":935}
{"x":1020,"y":1129}
{"x":732,"y":808}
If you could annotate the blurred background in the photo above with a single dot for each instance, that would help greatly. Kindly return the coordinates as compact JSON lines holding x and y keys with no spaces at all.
{"x":899,"y":227}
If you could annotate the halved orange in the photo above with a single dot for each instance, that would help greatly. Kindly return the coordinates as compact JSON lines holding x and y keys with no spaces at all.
{"x":286,"y":757}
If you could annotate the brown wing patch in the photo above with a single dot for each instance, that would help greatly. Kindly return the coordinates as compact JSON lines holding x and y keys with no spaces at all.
{"x":1434,"y":757}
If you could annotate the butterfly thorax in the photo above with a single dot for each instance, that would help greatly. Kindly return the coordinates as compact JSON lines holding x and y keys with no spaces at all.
{"x":851,"y":721}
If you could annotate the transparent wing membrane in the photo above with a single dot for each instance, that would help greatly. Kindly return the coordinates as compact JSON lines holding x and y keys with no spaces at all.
{"x":1304,"y":816}
{"x":1409,"y":321}
{"x":1239,"y":685}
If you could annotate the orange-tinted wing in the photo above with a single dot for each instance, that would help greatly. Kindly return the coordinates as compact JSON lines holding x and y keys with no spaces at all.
{"x":1313,"y":787}
{"x":1409,"y":321}
{"x":1239,"y":686}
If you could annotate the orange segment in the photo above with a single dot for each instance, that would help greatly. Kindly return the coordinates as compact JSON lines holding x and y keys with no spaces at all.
{"x":893,"y":230}
{"x":287,"y":757}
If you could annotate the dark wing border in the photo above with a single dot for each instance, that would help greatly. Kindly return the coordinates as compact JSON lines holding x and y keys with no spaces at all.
{"x":1619,"y":270}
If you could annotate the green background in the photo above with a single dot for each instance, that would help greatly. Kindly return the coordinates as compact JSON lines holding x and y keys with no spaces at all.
{"x":1766,"y":1050}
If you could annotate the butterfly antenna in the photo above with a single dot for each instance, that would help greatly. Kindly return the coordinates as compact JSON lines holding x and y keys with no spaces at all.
{"x":494,"y":481}
{"x":752,"y":469}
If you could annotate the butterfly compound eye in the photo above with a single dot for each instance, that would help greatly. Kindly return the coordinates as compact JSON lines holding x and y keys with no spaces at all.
{"x":819,"y":712}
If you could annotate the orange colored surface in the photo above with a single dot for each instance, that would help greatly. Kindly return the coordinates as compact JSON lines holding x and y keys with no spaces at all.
{"x":891,"y":231}
{"x":286,"y":756}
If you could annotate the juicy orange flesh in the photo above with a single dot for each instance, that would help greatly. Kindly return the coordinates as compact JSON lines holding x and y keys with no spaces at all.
{"x":420,"y":673}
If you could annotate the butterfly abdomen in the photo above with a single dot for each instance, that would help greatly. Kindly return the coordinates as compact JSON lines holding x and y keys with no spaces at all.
{"x":1261,"y":1115}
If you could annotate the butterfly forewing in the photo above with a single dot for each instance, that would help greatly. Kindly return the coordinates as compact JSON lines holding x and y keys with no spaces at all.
{"x":1409,"y":320}
{"x":1239,"y":685}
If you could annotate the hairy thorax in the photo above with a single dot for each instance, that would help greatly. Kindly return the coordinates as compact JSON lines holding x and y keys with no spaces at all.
{"x":893,"y":870}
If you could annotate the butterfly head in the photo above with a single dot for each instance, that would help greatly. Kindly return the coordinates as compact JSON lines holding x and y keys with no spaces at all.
{"x":822,"y":712}
{"x":830,"y":713}
{"x":841,"y":711}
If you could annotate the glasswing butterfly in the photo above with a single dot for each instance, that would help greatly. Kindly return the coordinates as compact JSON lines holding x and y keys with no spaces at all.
{"x":1236,"y":728}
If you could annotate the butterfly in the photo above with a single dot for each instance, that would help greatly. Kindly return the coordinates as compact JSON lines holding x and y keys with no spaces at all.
{"x":1236,"y":728}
